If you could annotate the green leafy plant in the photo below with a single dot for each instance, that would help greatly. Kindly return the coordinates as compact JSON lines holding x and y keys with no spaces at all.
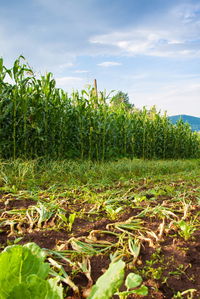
{"x":150,"y":269}
{"x":24,"y":274}
{"x":72,"y":218}
{"x":112,"y":211}
{"x":110,"y":282}
{"x":68,"y":221}
{"x":186,"y":229}
{"x":133,"y":284}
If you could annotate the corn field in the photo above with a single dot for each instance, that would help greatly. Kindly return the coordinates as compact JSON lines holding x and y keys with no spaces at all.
{"x":39,"y":120}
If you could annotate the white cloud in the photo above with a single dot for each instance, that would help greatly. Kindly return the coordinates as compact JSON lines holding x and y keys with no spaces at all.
{"x":69,"y":83}
{"x":173,"y":34}
{"x":151,"y":42}
{"x":187,"y":12}
{"x":109,"y":63}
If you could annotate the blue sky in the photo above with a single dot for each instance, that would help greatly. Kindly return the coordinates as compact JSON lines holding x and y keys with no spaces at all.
{"x":149,"y":49}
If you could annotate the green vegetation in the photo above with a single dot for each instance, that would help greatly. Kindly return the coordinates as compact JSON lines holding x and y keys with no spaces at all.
{"x":20,"y":174}
{"x":23,"y":274}
{"x":121,"y":98}
{"x":39,"y":120}
{"x":110,"y":224}
{"x":193,"y":121}
{"x":136,"y":219}
{"x":110,"y":282}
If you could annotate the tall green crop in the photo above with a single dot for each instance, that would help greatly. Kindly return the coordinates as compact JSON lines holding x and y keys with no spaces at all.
{"x":39,"y":120}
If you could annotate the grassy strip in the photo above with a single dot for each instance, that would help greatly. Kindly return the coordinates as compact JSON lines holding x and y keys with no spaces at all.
{"x":44,"y":174}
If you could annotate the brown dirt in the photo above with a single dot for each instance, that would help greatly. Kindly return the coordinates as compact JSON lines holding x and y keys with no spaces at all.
{"x":180,"y":260}
{"x":45,"y":239}
{"x":12,"y":203}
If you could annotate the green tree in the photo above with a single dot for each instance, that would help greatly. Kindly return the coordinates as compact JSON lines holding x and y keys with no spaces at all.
{"x":121,"y":98}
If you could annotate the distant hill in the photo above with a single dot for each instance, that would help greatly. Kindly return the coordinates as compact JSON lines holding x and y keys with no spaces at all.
{"x":193,"y":121}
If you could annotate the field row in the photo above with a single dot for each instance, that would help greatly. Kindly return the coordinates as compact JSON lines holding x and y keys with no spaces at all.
{"x":151,"y":222}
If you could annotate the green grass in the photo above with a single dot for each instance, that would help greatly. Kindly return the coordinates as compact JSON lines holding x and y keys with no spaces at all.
{"x":21,"y":174}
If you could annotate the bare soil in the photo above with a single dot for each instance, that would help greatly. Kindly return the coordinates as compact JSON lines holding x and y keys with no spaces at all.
{"x":179,"y":260}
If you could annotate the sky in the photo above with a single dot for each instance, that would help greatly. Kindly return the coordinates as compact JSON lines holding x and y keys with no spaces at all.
{"x":149,"y":49}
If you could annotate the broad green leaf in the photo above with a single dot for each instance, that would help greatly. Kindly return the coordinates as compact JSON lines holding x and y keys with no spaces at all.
{"x":63,"y":217}
{"x":143,"y":291}
{"x":58,"y":290}
{"x":133,"y":281}
{"x":182,"y":225}
{"x":109,"y":282}
{"x":16,"y":264}
{"x":37,"y":288}
{"x":72,"y":218}
{"x":20,"y":291}
{"x":36,"y":250}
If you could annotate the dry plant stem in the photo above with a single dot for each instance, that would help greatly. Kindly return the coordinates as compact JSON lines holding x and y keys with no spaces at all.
{"x":161,"y":229}
{"x":66,"y":279}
